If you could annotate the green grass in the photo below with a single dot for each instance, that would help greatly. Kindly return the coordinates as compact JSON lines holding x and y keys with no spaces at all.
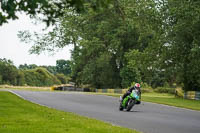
{"x":20,"y":116}
{"x":167,"y":99}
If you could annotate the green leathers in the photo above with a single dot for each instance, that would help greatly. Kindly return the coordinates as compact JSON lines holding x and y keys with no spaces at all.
{"x":129,"y":101}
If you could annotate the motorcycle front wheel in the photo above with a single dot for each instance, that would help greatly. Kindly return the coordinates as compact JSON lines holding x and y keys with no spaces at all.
{"x":130,"y":104}
{"x":121,"y":107}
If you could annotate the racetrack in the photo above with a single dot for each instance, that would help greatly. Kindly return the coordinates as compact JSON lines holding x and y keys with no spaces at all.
{"x":147,"y":117}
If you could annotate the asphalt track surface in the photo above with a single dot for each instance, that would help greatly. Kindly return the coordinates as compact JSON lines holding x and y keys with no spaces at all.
{"x":147,"y":117}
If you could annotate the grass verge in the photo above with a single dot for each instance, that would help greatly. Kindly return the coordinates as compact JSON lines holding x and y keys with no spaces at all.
{"x":20,"y":116}
{"x":30,"y":88}
{"x":171,"y":100}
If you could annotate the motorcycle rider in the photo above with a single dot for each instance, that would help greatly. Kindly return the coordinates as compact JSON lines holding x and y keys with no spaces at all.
{"x":136,"y":87}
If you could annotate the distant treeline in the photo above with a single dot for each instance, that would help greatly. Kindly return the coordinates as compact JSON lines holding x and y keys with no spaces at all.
{"x":34,"y":75}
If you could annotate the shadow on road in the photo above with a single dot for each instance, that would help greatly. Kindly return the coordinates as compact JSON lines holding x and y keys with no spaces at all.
{"x":135,"y":111}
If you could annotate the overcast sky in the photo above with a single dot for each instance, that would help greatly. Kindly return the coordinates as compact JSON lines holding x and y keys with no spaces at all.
{"x":11,"y":47}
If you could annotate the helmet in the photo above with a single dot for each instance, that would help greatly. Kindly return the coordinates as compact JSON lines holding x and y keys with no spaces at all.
{"x":137,"y":86}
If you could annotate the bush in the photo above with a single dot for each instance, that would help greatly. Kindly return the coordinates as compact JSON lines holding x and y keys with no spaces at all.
{"x":62,"y":78}
{"x":20,"y":78}
{"x":165,"y":90}
{"x":40,"y":77}
{"x":92,"y":89}
{"x":8,"y":72}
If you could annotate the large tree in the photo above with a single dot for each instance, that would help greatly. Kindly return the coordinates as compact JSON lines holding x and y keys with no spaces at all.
{"x":173,"y":52}
{"x":183,"y":41}
{"x":150,"y":41}
{"x":100,"y":41}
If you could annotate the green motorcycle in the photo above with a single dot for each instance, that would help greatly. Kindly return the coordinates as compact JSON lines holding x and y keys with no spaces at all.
{"x":129,"y":101}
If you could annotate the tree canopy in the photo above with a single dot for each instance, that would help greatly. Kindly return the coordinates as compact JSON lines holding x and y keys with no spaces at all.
{"x":156,"y":42}
{"x":50,"y":9}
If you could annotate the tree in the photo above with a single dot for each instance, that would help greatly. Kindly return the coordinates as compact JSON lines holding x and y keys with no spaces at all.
{"x":50,"y":9}
{"x":156,"y":41}
{"x":51,"y":69}
{"x":129,"y":75}
{"x":63,"y":66}
{"x":172,"y":54}
{"x":25,"y":66}
{"x":63,"y":79}
{"x":101,"y":40}
{"x":183,"y":43}
{"x":20,"y":78}
{"x":99,"y":56}
{"x":9,"y":73}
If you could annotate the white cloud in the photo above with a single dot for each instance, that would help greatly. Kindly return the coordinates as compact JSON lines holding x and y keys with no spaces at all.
{"x":11,"y":47}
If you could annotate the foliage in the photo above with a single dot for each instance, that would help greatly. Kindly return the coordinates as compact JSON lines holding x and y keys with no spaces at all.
{"x":9,"y":73}
{"x":63,"y":79}
{"x":129,"y":75}
{"x":165,"y":90}
{"x":172,"y":52}
{"x":33,"y":75}
{"x":183,"y":24}
{"x":25,"y":66}
{"x":1,"y":80}
{"x":63,"y":66}
{"x":51,"y":69}
{"x":49,"y":9}
{"x":99,"y":56}
{"x":40,"y":77}
{"x":20,"y":78}
{"x":100,"y":41}
{"x":156,"y":42}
